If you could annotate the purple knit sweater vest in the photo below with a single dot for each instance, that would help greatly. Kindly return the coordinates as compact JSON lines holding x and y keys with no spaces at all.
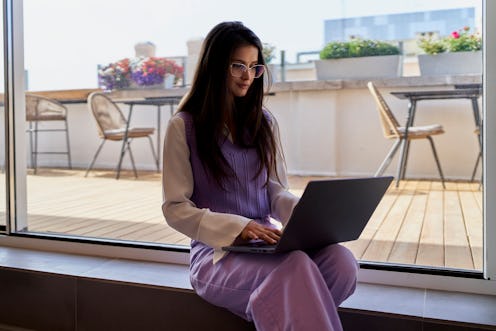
{"x":243,"y":195}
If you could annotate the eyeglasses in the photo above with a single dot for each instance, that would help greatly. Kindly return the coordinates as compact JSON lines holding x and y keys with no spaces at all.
{"x":238,"y":69}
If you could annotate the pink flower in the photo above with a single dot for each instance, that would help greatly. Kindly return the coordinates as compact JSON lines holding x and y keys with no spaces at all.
{"x":455,"y":34}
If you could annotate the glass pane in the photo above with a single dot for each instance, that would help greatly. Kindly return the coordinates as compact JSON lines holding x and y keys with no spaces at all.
{"x":328,"y":130}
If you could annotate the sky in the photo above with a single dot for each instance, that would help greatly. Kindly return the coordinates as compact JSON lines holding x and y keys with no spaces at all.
{"x":61,"y":36}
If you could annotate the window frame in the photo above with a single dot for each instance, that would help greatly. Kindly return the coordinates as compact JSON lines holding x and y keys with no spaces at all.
{"x":16,"y":173}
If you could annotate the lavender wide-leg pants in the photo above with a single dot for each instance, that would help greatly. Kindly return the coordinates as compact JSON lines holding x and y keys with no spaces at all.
{"x":290,"y":291}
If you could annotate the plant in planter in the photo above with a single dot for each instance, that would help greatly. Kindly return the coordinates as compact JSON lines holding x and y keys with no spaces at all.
{"x":268,"y":52}
{"x":458,"y":53}
{"x":457,"y":41}
{"x":357,"y":48}
{"x":358,"y":58}
{"x":138,"y":72}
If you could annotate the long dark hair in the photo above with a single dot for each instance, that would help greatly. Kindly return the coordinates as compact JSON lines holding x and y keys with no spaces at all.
{"x":212,"y":105}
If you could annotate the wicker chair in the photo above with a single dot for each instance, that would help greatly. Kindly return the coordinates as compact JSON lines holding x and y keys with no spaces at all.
{"x":41,"y":109}
{"x":393,"y":130}
{"x":112,"y":125}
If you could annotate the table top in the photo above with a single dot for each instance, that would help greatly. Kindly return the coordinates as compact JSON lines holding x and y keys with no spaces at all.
{"x":154,"y":101}
{"x":457,"y":93}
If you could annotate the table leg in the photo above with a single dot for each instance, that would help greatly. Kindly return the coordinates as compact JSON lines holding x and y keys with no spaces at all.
{"x":406,"y":142}
{"x":124,"y":143}
{"x":405,"y":159}
{"x":477,"y":119}
{"x":400,"y":162}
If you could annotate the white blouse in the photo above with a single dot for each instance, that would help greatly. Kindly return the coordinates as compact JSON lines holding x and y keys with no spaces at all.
{"x":212,"y":228}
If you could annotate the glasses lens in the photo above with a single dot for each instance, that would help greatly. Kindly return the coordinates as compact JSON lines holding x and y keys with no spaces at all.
{"x":258,"y":70}
{"x":237,"y":69}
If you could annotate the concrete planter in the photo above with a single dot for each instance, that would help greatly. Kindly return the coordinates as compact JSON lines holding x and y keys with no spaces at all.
{"x":274,"y":72}
{"x":168,"y":83}
{"x":450,"y":63}
{"x":359,"y":67}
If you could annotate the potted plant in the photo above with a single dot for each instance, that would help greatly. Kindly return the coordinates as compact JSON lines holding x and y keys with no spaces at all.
{"x":268,"y":55}
{"x":458,"y":53}
{"x":359,"y":58}
{"x":268,"y":52}
{"x":139,"y":72}
{"x":114,"y":76}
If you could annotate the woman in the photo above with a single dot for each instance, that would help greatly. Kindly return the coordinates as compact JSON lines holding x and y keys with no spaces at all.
{"x":224,"y":179}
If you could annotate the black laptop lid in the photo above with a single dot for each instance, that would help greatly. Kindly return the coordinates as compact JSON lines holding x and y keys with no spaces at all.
{"x":333,"y":211}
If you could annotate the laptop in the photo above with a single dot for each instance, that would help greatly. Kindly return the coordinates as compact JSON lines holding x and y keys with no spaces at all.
{"x":329,"y":212}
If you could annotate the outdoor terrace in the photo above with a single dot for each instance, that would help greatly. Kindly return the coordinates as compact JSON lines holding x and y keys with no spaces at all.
{"x":418,"y":223}
{"x":328,"y":129}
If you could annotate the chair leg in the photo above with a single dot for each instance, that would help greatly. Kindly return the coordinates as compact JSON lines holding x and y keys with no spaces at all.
{"x":128,"y":147}
{"x":94,"y":158}
{"x":124,"y":146}
{"x":69,"y":161}
{"x":479,"y":157}
{"x":402,"y":161}
{"x":437,"y":160}
{"x":388,"y":158}
{"x":155,"y":157}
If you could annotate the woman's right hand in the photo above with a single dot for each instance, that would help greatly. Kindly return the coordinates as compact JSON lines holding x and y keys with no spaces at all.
{"x":254,"y":231}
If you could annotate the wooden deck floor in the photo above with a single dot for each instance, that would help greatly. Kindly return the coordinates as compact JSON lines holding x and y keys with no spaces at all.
{"x":417,"y":223}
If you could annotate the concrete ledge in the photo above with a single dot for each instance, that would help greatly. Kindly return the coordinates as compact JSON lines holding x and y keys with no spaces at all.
{"x":54,"y":291}
{"x":80,"y":95}
{"x":412,"y":81}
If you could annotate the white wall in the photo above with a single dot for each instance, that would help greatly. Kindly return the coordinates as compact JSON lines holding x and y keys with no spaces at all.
{"x":326,"y":129}
{"x":337,"y":132}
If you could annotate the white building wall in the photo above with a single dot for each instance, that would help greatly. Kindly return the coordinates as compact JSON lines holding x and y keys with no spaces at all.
{"x":326,"y":129}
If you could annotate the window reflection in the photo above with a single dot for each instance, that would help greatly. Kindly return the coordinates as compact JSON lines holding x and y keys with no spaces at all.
{"x":319,"y":133}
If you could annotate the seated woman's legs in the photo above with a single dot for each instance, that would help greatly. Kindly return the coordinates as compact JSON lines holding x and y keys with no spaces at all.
{"x":285,"y":290}
{"x":339,"y":269}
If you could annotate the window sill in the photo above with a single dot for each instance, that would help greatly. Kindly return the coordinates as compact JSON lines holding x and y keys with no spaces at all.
{"x":415,"y":305}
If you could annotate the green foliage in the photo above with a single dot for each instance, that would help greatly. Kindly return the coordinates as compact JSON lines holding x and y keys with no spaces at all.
{"x":268,"y":52}
{"x":357,"y":48}
{"x":463,"y":41}
{"x":458,"y":41}
{"x":432,"y":46}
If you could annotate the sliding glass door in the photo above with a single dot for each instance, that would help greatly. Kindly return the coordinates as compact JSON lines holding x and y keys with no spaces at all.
{"x":328,"y":129}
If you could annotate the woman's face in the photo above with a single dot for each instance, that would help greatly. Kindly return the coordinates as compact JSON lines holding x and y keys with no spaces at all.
{"x":240,"y":79}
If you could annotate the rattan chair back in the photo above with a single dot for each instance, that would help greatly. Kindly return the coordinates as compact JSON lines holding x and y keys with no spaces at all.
{"x":392,"y":130}
{"x":390,"y":125}
{"x":40,"y":108}
{"x":107,"y":114}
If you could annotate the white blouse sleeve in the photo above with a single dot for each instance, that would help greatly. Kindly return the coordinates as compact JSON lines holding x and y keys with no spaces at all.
{"x":282,"y":202}
{"x":212,"y":228}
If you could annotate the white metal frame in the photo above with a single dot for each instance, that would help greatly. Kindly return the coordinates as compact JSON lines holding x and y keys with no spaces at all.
{"x":489,"y":138}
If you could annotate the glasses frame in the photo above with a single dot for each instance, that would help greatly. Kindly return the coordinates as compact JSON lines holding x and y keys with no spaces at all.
{"x":244,"y":68}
